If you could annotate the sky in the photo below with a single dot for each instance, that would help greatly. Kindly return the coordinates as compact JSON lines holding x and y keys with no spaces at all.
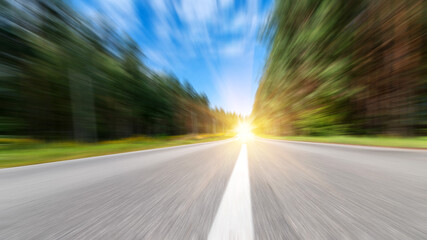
{"x":213,"y":44}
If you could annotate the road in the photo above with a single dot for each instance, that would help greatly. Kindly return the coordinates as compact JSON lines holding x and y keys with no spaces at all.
{"x":261,"y":189}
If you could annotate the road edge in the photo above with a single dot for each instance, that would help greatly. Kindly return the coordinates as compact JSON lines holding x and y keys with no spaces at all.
{"x":347,"y":145}
{"x":67,"y":161}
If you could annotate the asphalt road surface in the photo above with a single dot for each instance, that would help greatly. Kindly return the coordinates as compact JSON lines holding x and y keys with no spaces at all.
{"x":262,"y":189}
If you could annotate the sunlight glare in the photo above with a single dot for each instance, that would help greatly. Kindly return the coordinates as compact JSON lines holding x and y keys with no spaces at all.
{"x":244,"y":131}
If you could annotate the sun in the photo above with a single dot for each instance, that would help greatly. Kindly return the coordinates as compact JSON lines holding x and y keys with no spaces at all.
{"x":244,"y":131}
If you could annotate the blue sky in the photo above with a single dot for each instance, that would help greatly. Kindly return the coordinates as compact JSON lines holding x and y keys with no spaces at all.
{"x":213,"y":44}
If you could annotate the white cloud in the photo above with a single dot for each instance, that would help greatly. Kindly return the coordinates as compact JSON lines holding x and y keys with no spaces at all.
{"x":239,"y":21}
{"x":223,"y":36}
{"x":235,"y":48}
{"x":196,"y":10}
{"x":156,"y":57}
{"x":90,"y":12}
{"x":121,"y":12}
{"x":214,"y":31}
{"x":159,"y":6}
{"x":225,"y":3}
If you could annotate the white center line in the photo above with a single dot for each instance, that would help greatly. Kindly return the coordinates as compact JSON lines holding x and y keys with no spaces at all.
{"x":234,"y":217}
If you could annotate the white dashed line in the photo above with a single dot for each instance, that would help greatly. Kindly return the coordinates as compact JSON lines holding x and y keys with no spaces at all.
{"x":234,"y":217}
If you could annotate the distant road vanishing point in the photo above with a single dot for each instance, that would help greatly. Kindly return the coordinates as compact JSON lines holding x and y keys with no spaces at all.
{"x":260,"y":189}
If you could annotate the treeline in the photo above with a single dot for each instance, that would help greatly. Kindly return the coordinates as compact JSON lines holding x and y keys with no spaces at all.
{"x":344,"y":67}
{"x":63,"y":77}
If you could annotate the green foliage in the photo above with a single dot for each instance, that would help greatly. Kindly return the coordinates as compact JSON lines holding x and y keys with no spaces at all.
{"x":338,"y":67}
{"x":19,"y":152}
{"x":63,"y":78}
{"x":405,"y":142}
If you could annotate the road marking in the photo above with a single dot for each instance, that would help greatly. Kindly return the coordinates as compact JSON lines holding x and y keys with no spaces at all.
{"x":234,"y":217}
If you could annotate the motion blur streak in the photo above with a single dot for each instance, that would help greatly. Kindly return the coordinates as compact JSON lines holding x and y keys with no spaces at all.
{"x":327,"y":191}
{"x":171,"y":193}
{"x":64,"y":77}
{"x":344,"y":67}
{"x":83,"y":78}
{"x":297,"y":191}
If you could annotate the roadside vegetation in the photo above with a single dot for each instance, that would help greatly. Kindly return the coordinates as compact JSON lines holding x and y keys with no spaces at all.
{"x":19,"y":152}
{"x":64,"y":77}
{"x":353,"y":67}
{"x":383,"y":141}
{"x":68,"y":84}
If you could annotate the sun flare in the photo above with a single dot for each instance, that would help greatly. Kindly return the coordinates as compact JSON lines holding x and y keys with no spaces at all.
{"x":244,"y":131}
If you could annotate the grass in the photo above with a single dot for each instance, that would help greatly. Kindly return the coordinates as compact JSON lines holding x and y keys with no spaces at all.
{"x":19,"y":152}
{"x":404,"y":142}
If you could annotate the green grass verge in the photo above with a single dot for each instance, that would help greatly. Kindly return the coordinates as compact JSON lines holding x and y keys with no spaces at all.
{"x":19,"y":152}
{"x":410,"y":142}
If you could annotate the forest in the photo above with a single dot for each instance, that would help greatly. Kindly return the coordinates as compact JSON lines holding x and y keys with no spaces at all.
{"x":66,"y":78}
{"x":355,"y":67}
